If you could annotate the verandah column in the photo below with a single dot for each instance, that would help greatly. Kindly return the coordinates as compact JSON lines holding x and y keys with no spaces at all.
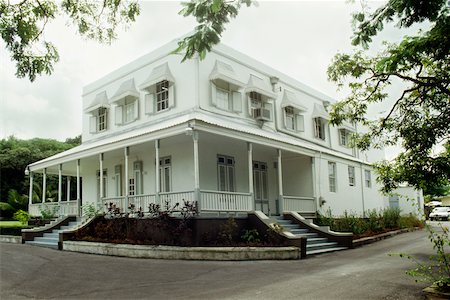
{"x":157,"y":185}
{"x":68,"y":187}
{"x":196,"y":171}
{"x":101,"y":181}
{"x":60,"y":189}
{"x":250,"y":173}
{"x":30,"y":192}
{"x":78,"y":188}
{"x":44,"y":184}
{"x":280,"y":183}
{"x":127,"y":187}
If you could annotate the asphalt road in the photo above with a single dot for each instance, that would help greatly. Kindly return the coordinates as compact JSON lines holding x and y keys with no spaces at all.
{"x":363,"y":273}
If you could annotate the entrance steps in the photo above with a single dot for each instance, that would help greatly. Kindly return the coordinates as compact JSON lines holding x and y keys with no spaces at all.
{"x":315,"y":244}
{"x":51,"y":239}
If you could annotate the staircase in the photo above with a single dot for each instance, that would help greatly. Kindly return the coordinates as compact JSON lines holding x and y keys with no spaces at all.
{"x":315,"y":244}
{"x":51,"y":239}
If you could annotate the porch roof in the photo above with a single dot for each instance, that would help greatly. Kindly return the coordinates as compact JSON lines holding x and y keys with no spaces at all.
{"x":161,"y":128}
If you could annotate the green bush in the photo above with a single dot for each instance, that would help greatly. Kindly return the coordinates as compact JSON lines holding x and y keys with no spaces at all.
{"x":251,"y":236}
{"x":374,"y":221}
{"x":48,"y":212}
{"x":391,"y":216}
{"x":21,"y":216}
{"x":410,"y":221}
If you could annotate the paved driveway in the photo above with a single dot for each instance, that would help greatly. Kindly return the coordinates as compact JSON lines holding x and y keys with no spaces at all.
{"x":362,"y":273}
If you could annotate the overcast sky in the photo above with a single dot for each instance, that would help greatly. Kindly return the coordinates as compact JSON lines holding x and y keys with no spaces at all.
{"x":299,"y":38}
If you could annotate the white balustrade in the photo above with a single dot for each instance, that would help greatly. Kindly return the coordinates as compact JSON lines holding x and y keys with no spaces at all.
{"x":119,"y":202}
{"x":170,"y":199}
{"x":142,"y":201}
{"x":299,"y":204}
{"x":225,"y":201}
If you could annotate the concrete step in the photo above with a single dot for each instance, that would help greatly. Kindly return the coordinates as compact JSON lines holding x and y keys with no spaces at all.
{"x":299,"y":231}
{"x":53,"y":235}
{"x":316,"y":240}
{"x":324,"y":245}
{"x":307,"y":235}
{"x":46,"y":240}
{"x":290,"y":226}
{"x":327,"y":250}
{"x":42,"y":244}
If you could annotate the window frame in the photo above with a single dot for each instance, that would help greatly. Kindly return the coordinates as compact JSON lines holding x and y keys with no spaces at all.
{"x":351,"y":176}
{"x":229,"y":177}
{"x":165,"y":167}
{"x":367,"y":179}
{"x":162,"y":95}
{"x":319,"y":128}
{"x":332,"y":176}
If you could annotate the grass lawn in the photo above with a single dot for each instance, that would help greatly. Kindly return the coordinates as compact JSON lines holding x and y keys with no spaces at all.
{"x":12,"y":224}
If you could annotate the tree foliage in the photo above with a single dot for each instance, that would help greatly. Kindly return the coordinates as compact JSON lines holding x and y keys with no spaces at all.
{"x":419,"y":118}
{"x":212,"y":15}
{"x":15,"y":156}
{"x":23,"y":23}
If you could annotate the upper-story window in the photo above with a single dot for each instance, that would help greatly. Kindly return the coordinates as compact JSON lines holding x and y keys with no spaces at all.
{"x":225,"y":88}
{"x":293,"y":112}
{"x":259,"y":97}
{"x":351,"y":176}
{"x":332,"y":176}
{"x":162,"y":95}
{"x":321,"y":117}
{"x":126,"y":100}
{"x":319,"y":128}
{"x":98,"y":110}
{"x":159,"y":90}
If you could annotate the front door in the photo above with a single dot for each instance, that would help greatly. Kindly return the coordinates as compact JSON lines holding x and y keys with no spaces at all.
{"x":260,"y":188}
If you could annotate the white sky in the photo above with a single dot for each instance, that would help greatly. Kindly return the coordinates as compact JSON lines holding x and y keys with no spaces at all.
{"x":299,"y":38}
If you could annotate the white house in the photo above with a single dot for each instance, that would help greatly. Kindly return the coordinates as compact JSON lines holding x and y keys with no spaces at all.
{"x":228,"y":132}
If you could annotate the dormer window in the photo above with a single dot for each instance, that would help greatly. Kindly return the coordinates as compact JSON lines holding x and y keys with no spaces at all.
{"x":126,"y":100}
{"x":98,"y":110}
{"x":319,"y":128}
{"x":162,"y":95}
{"x":259,"y":96}
{"x":225,"y":88}
{"x":159,"y":90}
{"x":293,"y":112}
{"x":321,"y":117}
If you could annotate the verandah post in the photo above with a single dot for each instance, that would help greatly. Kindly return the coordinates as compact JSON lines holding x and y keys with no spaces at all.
{"x":196,"y":171}
{"x":30,"y":192}
{"x":250,"y":174}
{"x":127,"y":187}
{"x":101,"y":182}
{"x":44,"y":185}
{"x":59,"y":187}
{"x":157,"y":185}
{"x":280,"y":182}
{"x":78,"y":188}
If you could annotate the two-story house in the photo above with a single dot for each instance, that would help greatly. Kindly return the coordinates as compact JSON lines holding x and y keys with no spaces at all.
{"x":228,"y":132}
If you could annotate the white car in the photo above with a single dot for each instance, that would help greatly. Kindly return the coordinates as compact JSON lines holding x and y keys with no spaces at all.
{"x":442,"y":213}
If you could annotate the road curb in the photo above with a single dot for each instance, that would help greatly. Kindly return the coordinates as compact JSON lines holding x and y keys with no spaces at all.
{"x":382,"y":236}
{"x":11,"y":239}
{"x":184,"y":253}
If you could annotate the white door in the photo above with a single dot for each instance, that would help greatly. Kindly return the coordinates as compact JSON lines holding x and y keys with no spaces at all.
{"x":260,"y":187}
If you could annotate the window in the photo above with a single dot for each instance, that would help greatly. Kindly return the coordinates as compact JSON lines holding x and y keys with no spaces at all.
{"x":293,"y":120}
{"x":351,"y":176}
{"x":162,"y":95}
{"x":137,"y":169}
{"x":319,"y":128}
{"x":332,"y":176}
{"x":368,"y":178}
{"x":165,"y":174}
{"x":118,"y":180}
{"x":255,"y":99}
{"x":225,"y":173}
{"x":225,"y":96}
{"x":344,"y":135}
{"x":98,"y":121}
{"x":259,"y":109}
{"x":127,"y":112}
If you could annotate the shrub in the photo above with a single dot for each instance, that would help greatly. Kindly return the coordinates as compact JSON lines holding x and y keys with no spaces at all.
{"x":228,"y":232}
{"x":21,"y":216}
{"x":48,"y":212}
{"x":251,"y":236}
{"x":391,"y":216}
{"x":410,"y":221}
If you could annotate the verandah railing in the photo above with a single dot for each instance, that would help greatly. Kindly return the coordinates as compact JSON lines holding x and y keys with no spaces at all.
{"x":63,"y":208}
{"x":225,"y":201}
{"x":299,"y":204}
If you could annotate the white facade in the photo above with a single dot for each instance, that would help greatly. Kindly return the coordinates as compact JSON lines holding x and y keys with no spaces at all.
{"x":228,"y":131}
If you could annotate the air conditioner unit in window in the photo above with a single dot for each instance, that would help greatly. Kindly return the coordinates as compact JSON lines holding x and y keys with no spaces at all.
{"x":262,"y":114}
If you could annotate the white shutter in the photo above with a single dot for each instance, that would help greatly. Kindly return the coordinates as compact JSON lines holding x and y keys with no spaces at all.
{"x":119,"y":115}
{"x":249,"y":105}
{"x":213,"y":94}
{"x":136,"y":109}
{"x":284,"y":118}
{"x":237,"y":102}
{"x":149,"y":103}
{"x":300,"y":120}
{"x":269,"y":106}
{"x":171,"y":96}
{"x":92,"y":124}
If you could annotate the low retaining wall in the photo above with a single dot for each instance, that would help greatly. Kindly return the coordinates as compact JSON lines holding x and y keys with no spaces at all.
{"x":11,"y":239}
{"x":382,"y":236}
{"x":185,"y":253}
